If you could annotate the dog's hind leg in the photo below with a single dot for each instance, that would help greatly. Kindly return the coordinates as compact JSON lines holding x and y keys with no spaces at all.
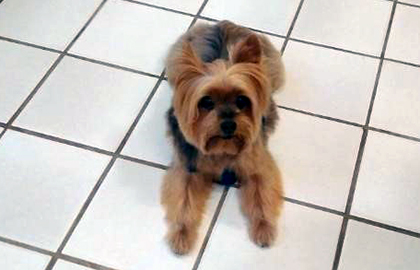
{"x":184,"y":197}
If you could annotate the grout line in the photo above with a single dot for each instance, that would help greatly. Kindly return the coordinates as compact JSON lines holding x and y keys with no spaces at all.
{"x":292,"y":25}
{"x":111,"y":65}
{"x":50,"y":70}
{"x":314,"y":206}
{"x":2,"y":124}
{"x":356,"y":172}
{"x":85,"y":263}
{"x":395,"y":134}
{"x":87,"y":147}
{"x":29,"y":44}
{"x":99,"y":62}
{"x":144,"y":162}
{"x":402,"y":62}
{"x":160,"y":7}
{"x":342,"y":236}
{"x":333,"y":48}
{"x":210,"y":229}
{"x":61,"y":140}
{"x":385,"y":226}
{"x":408,"y":4}
{"x":25,"y":246}
{"x":321,"y":116}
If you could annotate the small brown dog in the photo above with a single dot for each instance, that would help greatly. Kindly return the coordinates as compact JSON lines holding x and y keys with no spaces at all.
{"x":222,"y":112}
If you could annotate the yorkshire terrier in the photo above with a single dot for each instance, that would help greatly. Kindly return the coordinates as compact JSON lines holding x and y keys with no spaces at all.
{"x":222,"y":113}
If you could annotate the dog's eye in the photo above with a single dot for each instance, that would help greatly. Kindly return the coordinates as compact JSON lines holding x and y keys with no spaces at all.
{"x":242,"y":102}
{"x":206,"y":103}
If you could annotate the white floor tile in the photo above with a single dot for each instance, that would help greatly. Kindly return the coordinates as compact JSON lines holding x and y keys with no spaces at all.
{"x":274,"y":15}
{"x":21,"y":69}
{"x":44,"y":185}
{"x":190,"y":6}
{"x":388,"y":185}
{"x":50,"y":23}
{"x":316,"y":168}
{"x":16,"y":258}
{"x":63,"y":265}
{"x":132,"y":35}
{"x":396,"y":106}
{"x":307,"y":240}
{"x":149,"y":140}
{"x":371,"y":248}
{"x":356,"y":25}
{"x":328,"y":82}
{"x":87,"y":103}
{"x":404,"y":39}
{"x":124,"y":227}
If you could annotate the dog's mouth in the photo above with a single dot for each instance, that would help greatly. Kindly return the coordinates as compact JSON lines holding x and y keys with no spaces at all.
{"x":225,"y":145}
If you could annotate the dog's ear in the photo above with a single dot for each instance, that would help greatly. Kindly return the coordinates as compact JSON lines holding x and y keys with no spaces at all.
{"x":185,"y":66}
{"x":247,"y":51}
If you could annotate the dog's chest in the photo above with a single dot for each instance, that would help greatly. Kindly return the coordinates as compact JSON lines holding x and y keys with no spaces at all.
{"x":228,"y":177}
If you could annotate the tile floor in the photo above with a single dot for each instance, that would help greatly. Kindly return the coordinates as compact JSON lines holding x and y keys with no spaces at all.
{"x":83,"y":148}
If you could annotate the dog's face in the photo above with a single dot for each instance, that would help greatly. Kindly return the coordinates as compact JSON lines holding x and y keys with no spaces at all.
{"x":219,"y":105}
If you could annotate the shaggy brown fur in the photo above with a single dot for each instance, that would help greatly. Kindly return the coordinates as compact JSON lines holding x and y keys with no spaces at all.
{"x":223,"y":78}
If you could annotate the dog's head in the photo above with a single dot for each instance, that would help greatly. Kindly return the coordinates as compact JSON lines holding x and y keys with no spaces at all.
{"x":219,"y":105}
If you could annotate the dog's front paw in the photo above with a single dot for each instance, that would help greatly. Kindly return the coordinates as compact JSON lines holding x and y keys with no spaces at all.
{"x":263,"y":233}
{"x":181,"y":240}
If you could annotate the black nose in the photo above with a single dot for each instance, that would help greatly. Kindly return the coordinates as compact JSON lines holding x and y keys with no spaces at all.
{"x":228,"y":127}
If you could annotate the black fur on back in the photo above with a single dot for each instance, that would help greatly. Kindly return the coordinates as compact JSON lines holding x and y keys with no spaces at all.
{"x":208,"y":43}
{"x":187,"y":151}
{"x":269,"y":120}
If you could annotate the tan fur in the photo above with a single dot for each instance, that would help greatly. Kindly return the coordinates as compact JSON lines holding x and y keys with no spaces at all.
{"x":254,"y":70}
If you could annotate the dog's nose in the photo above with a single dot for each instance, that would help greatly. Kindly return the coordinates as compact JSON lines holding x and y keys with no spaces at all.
{"x":228,"y":127}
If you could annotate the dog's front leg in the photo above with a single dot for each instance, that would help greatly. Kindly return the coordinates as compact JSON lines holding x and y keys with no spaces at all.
{"x":184,"y":197}
{"x":262,"y":199}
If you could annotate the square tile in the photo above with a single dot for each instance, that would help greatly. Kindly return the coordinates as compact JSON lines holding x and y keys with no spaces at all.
{"x":404,"y":38}
{"x":148,"y":140}
{"x":269,"y":15}
{"x":21,"y":69}
{"x":307,"y":240}
{"x":124,"y":227}
{"x":50,"y":23}
{"x":63,"y":265}
{"x":316,"y":158}
{"x":190,"y":6}
{"x":328,"y":82}
{"x":356,"y":25}
{"x":370,"y":248}
{"x":87,"y":103}
{"x":396,"y":106}
{"x":44,"y":185}
{"x":132,"y":35}
{"x":388,"y":185}
{"x":16,"y":258}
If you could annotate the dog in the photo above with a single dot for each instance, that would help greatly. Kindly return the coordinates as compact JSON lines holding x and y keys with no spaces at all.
{"x":222,"y":113}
